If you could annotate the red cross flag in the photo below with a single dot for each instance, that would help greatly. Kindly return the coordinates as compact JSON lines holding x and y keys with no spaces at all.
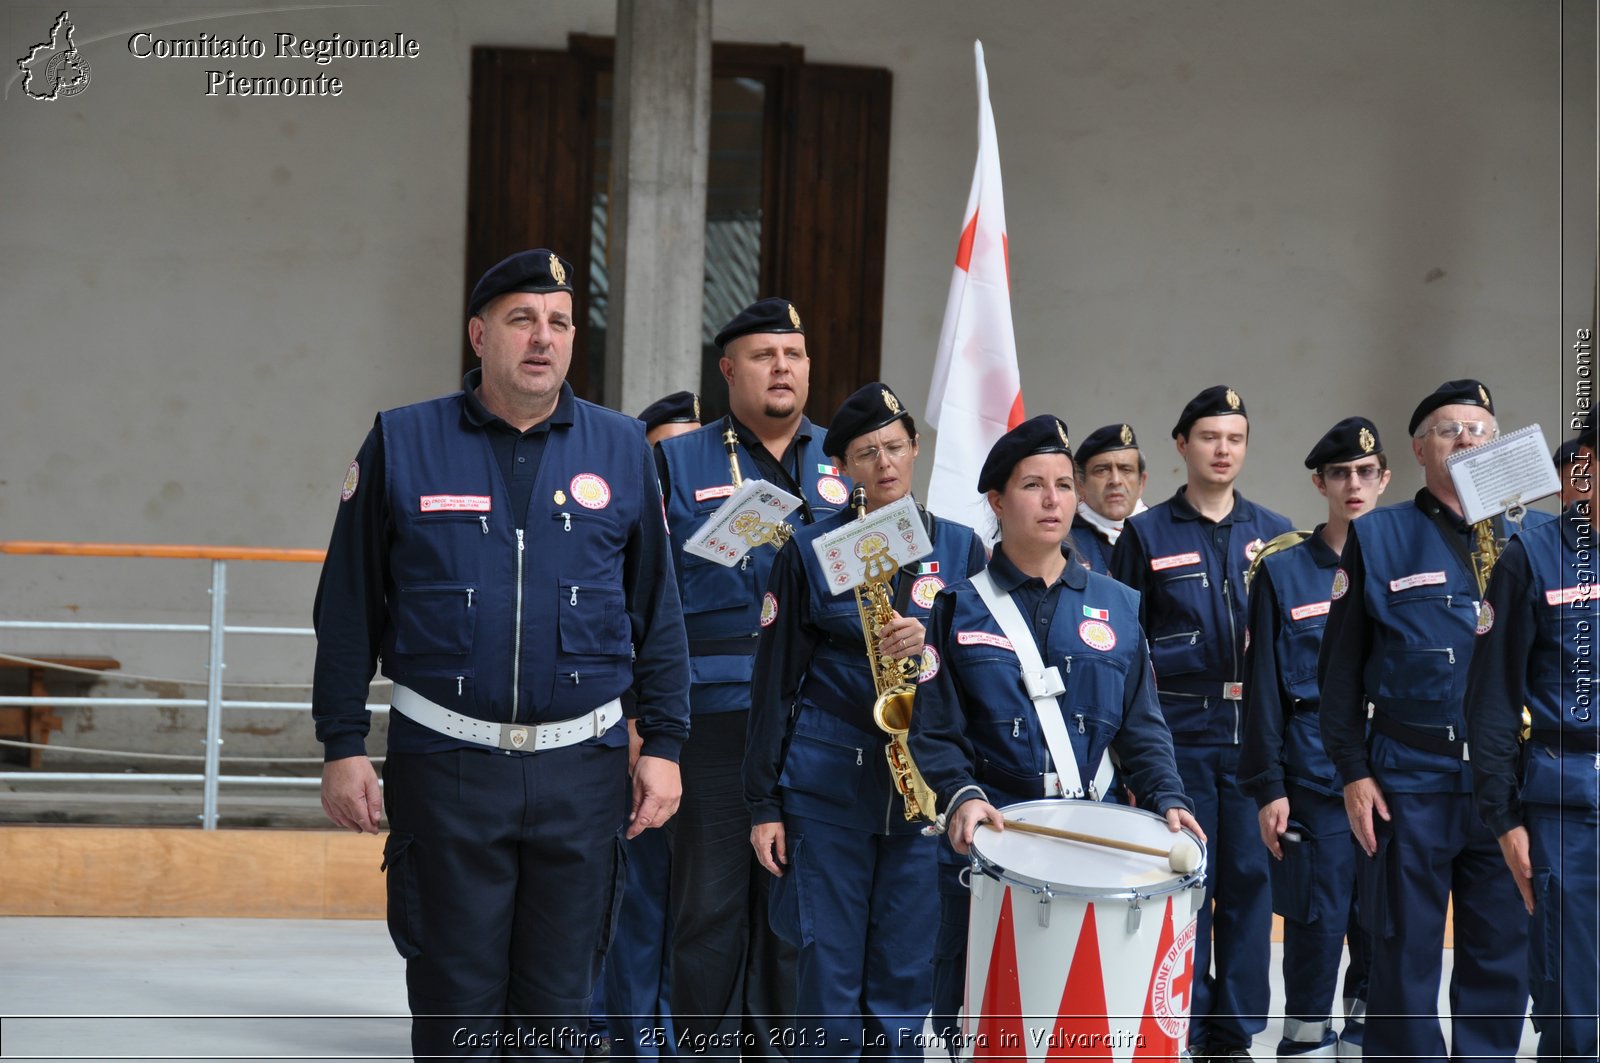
{"x":976,"y":395}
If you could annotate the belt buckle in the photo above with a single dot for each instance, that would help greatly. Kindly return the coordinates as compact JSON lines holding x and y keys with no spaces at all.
{"x":513,"y":737}
{"x":1233,"y":691}
{"x":1052,"y":785}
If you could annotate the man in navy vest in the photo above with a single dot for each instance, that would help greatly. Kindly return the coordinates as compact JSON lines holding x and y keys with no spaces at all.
{"x":733,"y":980}
{"x":1282,"y":766}
{"x":501,"y":550}
{"x":1187,"y":557}
{"x":1535,"y":648}
{"x":1111,"y":479}
{"x":1400,"y":637}
{"x":637,"y":1020}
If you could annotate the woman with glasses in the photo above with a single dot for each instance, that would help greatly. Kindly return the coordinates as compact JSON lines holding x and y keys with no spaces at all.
{"x":976,"y":733}
{"x":1282,"y":765}
{"x":855,"y":878}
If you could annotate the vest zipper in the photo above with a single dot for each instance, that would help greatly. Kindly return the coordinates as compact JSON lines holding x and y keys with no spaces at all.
{"x":469,"y":597}
{"x":1233,"y":649}
{"x":516,"y":635}
{"x":1079,"y":717}
{"x":566,"y":522}
{"x":485,"y":522}
{"x":1016,"y":727}
{"x":574,"y":599}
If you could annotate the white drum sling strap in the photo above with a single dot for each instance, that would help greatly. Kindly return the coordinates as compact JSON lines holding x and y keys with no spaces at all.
{"x":1044,"y":687}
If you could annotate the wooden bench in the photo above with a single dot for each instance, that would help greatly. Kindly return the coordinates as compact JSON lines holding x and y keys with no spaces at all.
{"x":33,"y":723}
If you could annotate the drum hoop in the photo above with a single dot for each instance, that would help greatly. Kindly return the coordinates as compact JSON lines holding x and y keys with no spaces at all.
{"x":982,"y":865}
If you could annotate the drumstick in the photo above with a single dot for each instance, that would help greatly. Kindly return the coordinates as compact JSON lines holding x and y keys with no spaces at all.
{"x":1183,"y":857}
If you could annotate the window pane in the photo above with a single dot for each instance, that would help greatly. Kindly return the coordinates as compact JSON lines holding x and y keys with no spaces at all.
{"x":733,"y":225}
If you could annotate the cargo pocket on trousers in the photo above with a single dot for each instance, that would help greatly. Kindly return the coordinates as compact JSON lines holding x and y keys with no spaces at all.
{"x":1544,"y":932}
{"x":1372,"y":886}
{"x":1292,"y":877}
{"x":786,"y":907}
{"x":619,"y":884}
{"x":405,"y":916}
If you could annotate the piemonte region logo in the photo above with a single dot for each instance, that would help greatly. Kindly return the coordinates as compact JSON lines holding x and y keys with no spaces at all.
{"x":55,"y":69}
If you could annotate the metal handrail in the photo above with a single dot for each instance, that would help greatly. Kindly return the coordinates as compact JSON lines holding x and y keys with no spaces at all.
{"x":217,"y":629}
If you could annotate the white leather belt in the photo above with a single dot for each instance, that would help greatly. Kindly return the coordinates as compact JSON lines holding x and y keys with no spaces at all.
{"x":517,"y":736}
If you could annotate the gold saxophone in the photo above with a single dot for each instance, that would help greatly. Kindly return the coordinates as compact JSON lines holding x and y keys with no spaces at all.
{"x":894,"y":680}
{"x":1485,"y":552}
{"x":754,"y":532}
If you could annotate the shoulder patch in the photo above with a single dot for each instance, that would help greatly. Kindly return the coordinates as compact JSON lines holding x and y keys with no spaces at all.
{"x":930,"y":664}
{"x":924,"y":590}
{"x":352,"y":477}
{"x":1485,"y":619}
{"x":769,"y":609}
{"x":1341,"y":584}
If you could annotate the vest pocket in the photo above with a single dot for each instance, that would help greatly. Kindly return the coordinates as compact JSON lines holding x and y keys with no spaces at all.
{"x":592,"y":618}
{"x":1177,"y":653}
{"x":434,"y":618}
{"x":1425,"y":674}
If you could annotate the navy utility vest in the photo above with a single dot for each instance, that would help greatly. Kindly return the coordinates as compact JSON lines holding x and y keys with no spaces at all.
{"x":1094,"y":639}
{"x":492,"y":622}
{"x":1301,"y":580}
{"x":1196,"y":613}
{"x":1562,"y":757}
{"x":1423,"y":607}
{"x":835,"y":769}
{"x":722,"y":606}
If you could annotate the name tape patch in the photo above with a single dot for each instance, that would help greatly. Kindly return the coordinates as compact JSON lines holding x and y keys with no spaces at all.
{"x":1159,"y":564}
{"x":1300,"y":612}
{"x":983,"y":638}
{"x":460,"y":503}
{"x":1567,"y":595}
{"x":725,"y":491}
{"x":1417,"y":579}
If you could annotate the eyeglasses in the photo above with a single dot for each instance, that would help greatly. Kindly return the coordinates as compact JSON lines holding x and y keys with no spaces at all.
{"x":1451,"y":430}
{"x":868,"y":455}
{"x":1340,"y":473}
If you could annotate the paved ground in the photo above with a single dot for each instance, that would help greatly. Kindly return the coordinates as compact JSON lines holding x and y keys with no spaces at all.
{"x":261,"y":989}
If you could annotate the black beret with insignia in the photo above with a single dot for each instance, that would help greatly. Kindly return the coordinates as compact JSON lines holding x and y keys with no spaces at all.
{"x":1110,"y":437}
{"x":765,"y":315}
{"x":1218,"y":401}
{"x":1350,"y":440}
{"x":873,"y":406}
{"x":1467,"y":392}
{"x":539,"y":270}
{"x":1045,"y":434}
{"x":681,"y":407}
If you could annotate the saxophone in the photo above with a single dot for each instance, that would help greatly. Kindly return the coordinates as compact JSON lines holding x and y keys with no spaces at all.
{"x":758,"y":532}
{"x":894,"y":680}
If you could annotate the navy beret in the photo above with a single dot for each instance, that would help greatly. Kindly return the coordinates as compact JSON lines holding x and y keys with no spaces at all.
{"x":1045,"y":434}
{"x":1567,"y":451}
{"x":1110,"y":437}
{"x":539,"y":270}
{"x":1467,"y":392}
{"x":1218,"y":401}
{"x":764,"y":315}
{"x":1350,"y":440}
{"x":873,"y":406}
{"x":681,"y":407}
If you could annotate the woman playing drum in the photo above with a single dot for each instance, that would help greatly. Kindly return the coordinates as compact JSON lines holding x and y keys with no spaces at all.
{"x":855,"y":877}
{"x":975,"y":732}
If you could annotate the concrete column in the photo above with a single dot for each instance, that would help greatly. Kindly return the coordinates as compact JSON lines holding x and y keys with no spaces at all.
{"x":661,"y":132}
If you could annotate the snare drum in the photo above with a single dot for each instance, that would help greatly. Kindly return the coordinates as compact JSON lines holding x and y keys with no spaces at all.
{"x":1076,"y":950}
